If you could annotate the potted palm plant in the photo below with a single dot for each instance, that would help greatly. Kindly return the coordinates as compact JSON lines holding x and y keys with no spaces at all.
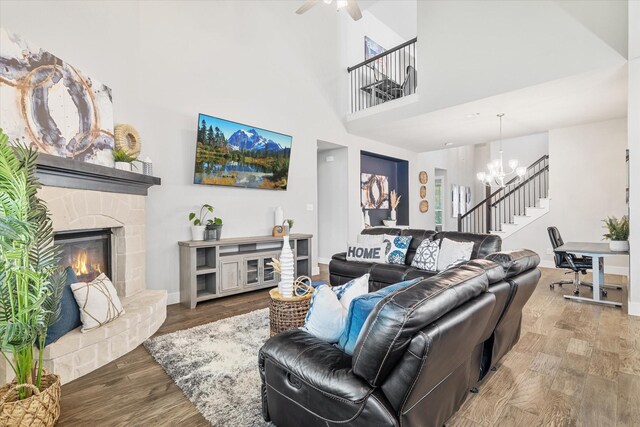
{"x":618,"y":233}
{"x":31,"y":284}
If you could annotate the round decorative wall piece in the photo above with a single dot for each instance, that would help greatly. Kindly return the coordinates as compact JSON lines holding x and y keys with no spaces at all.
{"x":127,"y":138}
{"x":423,"y":177}
{"x":423,"y":192}
{"x":424,"y":206}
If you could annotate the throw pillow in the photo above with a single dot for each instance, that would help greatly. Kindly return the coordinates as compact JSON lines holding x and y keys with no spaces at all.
{"x":426,"y":257}
{"x":452,"y":252}
{"x":397,"y":247}
{"x":364,"y":252}
{"x":69,"y":312}
{"x":370,"y":239}
{"x":325,"y":318}
{"x":98,"y":301}
{"x":352,"y":289}
{"x":360,"y":309}
{"x":329,"y":306}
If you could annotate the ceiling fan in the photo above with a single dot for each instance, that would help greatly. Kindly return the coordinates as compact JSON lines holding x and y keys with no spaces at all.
{"x":351,"y":5}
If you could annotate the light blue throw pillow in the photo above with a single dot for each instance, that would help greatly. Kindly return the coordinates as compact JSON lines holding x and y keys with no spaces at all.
{"x":360,"y":309}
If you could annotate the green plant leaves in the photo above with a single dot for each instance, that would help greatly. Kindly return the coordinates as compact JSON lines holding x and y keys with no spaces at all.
{"x":618,"y":228}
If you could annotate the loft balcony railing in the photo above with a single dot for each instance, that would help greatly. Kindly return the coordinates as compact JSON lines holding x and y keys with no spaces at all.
{"x":384,"y":77}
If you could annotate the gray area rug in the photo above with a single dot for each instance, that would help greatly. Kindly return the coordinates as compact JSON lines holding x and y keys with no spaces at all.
{"x":216,"y":366}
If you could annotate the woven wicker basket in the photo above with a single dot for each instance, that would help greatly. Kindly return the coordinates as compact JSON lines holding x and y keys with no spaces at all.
{"x":39,"y":410}
{"x":287,"y":313}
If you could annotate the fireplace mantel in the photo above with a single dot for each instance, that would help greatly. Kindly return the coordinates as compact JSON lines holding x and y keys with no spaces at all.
{"x":68,"y":173}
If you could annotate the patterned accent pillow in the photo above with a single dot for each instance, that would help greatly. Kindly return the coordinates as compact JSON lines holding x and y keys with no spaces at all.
{"x":98,"y":301}
{"x":397,"y":247}
{"x":426,"y":257}
{"x":452,"y":252}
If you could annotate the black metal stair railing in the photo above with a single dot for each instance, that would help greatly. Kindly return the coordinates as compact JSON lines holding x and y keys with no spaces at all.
{"x":501,"y":206}
{"x":384,"y":77}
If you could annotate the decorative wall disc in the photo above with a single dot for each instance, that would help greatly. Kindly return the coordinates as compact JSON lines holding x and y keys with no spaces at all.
{"x":424,"y":206}
{"x":423,"y":177}
{"x":128,"y":139}
{"x":423,"y":192}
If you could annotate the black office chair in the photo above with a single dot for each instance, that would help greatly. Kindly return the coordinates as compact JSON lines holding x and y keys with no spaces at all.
{"x":569,"y":261}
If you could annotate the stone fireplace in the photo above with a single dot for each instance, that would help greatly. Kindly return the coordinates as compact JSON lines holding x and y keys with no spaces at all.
{"x":98,"y":216}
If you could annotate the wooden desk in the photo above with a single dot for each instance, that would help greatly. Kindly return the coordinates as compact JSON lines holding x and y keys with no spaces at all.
{"x":597,"y":252}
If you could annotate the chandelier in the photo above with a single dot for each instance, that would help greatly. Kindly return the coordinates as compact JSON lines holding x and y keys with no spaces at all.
{"x":496,"y":176}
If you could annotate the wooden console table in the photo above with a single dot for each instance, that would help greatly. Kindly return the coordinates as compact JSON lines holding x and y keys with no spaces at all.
{"x":216,"y":268}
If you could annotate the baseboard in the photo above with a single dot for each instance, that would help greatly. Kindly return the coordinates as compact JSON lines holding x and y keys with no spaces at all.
{"x":609,"y":269}
{"x":324,"y":261}
{"x":633,"y":308}
{"x":173,"y":298}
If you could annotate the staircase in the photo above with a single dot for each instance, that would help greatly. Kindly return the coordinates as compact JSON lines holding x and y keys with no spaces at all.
{"x":509,"y":209}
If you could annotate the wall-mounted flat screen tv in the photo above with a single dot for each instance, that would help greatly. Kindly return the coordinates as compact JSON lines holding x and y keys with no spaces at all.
{"x":237,"y":155}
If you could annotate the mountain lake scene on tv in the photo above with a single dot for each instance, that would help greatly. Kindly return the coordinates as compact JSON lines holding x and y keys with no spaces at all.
{"x":237,"y":155}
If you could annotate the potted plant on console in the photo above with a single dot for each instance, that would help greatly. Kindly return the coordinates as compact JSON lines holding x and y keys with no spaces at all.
{"x":200,"y":222}
{"x":122,"y":160}
{"x":215,"y":227}
{"x":618,"y":233}
{"x":31,"y":285}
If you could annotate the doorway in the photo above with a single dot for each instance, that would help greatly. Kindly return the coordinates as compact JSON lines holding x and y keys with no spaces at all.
{"x":333,"y":200}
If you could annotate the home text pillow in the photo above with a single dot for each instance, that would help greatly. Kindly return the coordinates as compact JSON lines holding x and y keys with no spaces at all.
{"x":69,"y":313}
{"x":364,"y":252}
{"x":325,"y":318}
{"x":328,"y":308}
{"x":370,"y":239}
{"x":360,"y":309}
{"x":426,"y":257}
{"x":397,"y":247}
{"x":98,"y":301}
{"x":452,"y":252}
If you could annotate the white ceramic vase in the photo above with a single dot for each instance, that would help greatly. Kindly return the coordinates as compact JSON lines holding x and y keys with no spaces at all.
{"x":393,"y":214}
{"x":197,"y":232}
{"x":285,"y":286}
{"x":619,"y":245}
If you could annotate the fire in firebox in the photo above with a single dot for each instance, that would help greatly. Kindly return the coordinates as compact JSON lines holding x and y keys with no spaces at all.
{"x":83,"y":267}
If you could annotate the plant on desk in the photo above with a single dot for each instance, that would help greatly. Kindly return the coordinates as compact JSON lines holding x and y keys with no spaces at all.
{"x":618,"y":233}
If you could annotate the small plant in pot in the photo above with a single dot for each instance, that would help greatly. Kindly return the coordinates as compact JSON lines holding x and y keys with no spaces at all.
{"x":122,"y":160}
{"x":618,"y":233}
{"x":31,"y":285}
{"x":215,"y":227}
{"x":199,"y":222}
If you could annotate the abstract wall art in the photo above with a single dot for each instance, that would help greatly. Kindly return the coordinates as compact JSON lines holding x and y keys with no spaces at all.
{"x":374,"y":191}
{"x":49,"y":103}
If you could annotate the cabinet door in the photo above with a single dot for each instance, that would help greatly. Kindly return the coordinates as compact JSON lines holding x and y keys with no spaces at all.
{"x":252,"y":271}
{"x":269,"y":276}
{"x":230,"y":274}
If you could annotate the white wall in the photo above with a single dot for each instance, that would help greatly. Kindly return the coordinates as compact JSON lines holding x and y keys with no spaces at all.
{"x":333,"y":202}
{"x":587,"y":181}
{"x":254,"y":62}
{"x":459,"y":164}
{"x":634,"y":154}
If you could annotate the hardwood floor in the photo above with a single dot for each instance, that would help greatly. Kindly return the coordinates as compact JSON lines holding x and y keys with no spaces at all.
{"x":576,"y":365}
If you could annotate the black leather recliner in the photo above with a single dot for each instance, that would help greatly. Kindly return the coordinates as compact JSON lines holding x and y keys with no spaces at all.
{"x":420,"y":350}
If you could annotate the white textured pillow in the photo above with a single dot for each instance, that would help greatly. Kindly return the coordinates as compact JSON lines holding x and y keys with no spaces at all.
{"x":363,"y":252}
{"x":354,"y":288}
{"x":98,"y":301}
{"x":426,"y":257}
{"x":371,"y":239}
{"x":326,"y":316}
{"x":329,"y":307}
{"x":452,"y":252}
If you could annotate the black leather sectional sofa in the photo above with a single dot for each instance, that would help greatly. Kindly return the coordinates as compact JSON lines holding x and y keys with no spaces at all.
{"x":420,"y":352}
{"x":342,"y":271}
